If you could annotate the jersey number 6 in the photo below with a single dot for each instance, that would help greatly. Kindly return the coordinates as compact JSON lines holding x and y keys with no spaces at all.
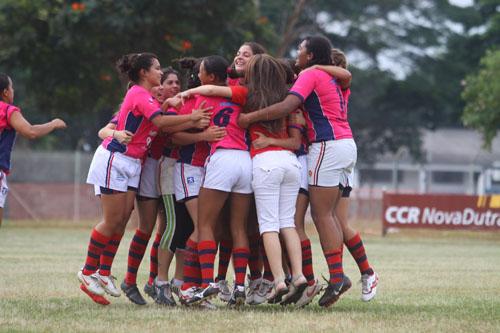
{"x":222,"y":117}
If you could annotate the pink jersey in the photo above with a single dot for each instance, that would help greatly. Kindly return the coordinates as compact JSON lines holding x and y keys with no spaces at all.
{"x":7,"y":135}
{"x":139,"y":107}
{"x":195,"y":153}
{"x":325,"y":104}
{"x":225,"y":114}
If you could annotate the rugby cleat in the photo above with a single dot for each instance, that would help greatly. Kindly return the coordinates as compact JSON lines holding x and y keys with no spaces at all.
{"x":108,"y":284}
{"x":133,"y":293}
{"x":368,"y":286}
{"x":90,"y":283}
{"x":309,"y":294}
{"x":334,"y":291}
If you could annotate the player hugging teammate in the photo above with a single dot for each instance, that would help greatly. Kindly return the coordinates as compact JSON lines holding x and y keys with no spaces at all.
{"x":251,"y":151}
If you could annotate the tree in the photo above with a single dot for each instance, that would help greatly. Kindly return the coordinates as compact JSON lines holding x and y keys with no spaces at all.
{"x":482,"y":97}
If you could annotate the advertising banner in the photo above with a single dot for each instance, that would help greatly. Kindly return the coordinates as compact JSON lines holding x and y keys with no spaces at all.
{"x":434,"y":211}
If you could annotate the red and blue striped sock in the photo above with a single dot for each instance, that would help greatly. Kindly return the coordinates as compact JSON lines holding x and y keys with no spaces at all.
{"x":136,"y":252}
{"x":225,"y":249}
{"x":97,"y":244}
{"x":206,"y":254}
{"x":357,"y":250}
{"x":108,"y":255}
{"x":334,"y":261}
{"x":153,"y":260}
{"x":240,"y":260}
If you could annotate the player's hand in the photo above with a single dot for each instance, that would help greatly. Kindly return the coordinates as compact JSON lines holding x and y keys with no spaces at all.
{"x":243,"y":120}
{"x":214,"y":133}
{"x":262,"y":141}
{"x":184,"y":95}
{"x":201,"y":113}
{"x":123,"y":137}
{"x":297,"y":117}
{"x":59,"y":124}
{"x":171,"y":102}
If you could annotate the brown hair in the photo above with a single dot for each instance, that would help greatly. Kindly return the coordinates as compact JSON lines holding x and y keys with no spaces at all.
{"x":265,"y":79}
{"x":339,"y":58}
{"x":256,"y":49}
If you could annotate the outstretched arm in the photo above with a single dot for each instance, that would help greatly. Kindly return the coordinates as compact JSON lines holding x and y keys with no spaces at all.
{"x":343,"y":75}
{"x":207,"y":90}
{"x":275,"y":111}
{"x":23,"y":127}
{"x":213,"y":133}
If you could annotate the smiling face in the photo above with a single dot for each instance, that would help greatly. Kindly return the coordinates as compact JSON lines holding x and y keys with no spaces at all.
{"x":171,"y":86}
{"x":242,"y":57}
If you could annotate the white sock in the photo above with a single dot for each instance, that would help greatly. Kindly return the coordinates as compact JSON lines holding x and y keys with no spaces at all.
{"x":160,"y":283}
{"x":177,"y":283}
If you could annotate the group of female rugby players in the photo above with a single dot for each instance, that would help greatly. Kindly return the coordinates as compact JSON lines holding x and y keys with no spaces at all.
{"x":229,"y":165}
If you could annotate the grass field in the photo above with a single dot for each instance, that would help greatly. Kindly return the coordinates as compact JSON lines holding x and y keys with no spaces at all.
{"x":444,"y":282}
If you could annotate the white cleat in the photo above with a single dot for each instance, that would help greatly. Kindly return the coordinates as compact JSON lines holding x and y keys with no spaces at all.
{"x":368,"y":286}
{"x":309,"y":294}
{"x":91,"y":283}
{"x":108,"y":284}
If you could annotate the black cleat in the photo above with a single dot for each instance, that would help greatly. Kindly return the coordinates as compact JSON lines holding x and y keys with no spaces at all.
{"x":238,"y":297}
{"x":334,"y":291}
{"x":164,"y":295}
{"x":150,"y":290}
{"x":133,"y":293}
{"x":295,"y":293}
{"x":277,"y":295}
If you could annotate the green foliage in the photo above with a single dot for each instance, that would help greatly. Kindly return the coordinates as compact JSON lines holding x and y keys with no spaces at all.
{"x":61,"y":54}
{"x":482,"y":96}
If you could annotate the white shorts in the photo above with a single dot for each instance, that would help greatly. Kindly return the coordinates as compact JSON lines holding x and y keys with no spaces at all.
{"x":229,"y":170}
{"x":114,"y":170}
{"x":149,"y":186}
{"x":276,"y":183}
{"x":303,"y":173}
{"x":166,"y":171}
{"x":187,"y":180}
{"x":331,"y":163}
{"x":4,"y":188}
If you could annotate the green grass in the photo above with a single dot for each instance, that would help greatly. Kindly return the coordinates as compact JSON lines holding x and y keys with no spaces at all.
{"x":429,"y":282}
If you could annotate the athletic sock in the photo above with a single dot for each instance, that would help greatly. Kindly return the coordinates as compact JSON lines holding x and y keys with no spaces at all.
{"x":240,"y":260}
{"x":307,"y":264}
{"x":108,"y":254}
{"x":135,"y":254}
{"x":357,"y":250}
{"x":334,"y":261}
{"x":254,"y":264}
{"x":97,"y":243}
{"x":225,"y":248}
{"x":191,"y":266}
{"x":206,"y":254}
{"x":153,"y":260}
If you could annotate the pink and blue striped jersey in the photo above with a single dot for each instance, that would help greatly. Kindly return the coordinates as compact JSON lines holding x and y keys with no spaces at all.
{"x":139,"y":107}
{"x":325,"y":104}
{"x":7,"y":135}
{"x":195,"y":153}
{"x":225,"y":114}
